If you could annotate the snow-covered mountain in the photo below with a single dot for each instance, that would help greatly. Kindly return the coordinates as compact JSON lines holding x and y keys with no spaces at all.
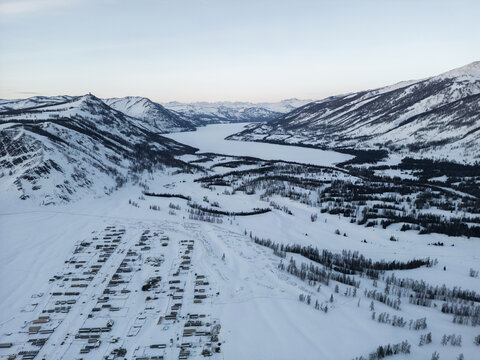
{"x":201,"y":113}
{"x":151,"y":113}
{"x":62,"y":147}
{"x":436,"y":117}
{"x":32,"y":102}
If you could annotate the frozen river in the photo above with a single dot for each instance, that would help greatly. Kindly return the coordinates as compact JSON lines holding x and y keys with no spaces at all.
{"x":211,"y":138}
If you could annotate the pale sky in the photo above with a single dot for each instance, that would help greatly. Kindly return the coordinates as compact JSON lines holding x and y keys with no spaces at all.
{"x":245,"y":50}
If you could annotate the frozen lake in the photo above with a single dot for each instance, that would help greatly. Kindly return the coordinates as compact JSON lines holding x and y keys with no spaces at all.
{"x":211,"y":138}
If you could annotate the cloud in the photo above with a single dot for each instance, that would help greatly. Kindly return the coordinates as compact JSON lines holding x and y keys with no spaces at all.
{"x":27,"y":93}
{"x":14,"y":7}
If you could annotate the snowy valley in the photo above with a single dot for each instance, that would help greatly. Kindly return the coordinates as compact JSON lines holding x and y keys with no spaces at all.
{"x":135,"y":230}
{"x":217,"y":259}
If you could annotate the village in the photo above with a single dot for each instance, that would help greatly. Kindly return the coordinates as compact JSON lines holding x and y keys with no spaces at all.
{"x":92,"y":312}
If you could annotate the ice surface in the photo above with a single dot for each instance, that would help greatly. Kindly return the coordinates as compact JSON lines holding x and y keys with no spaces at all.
{"x":211,"y":138}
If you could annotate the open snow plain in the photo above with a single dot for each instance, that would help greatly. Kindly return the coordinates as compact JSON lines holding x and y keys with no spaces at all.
{"x":139,"y":276}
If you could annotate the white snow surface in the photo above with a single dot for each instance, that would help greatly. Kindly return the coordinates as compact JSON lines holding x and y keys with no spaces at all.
{"x":257,"y":304}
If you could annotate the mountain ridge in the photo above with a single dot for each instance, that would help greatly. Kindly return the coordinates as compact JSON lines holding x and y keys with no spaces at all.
{"x":203,"y":113}
{"x":150,"y":113}
{"x":436,"y":117}
{"x":57,"y":152}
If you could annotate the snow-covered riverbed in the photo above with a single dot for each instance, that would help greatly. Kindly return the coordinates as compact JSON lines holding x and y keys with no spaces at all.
{"x":211,"y":138}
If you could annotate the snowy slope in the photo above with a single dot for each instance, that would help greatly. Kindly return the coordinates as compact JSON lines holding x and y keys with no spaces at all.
{"x":204,"y":112}
{"x":150,"y":113}
{"x":56,"y":152}
{"x":437,"y":117}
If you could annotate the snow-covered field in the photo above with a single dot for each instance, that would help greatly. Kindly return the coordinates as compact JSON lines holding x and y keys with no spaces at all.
{"x":255,"y":302}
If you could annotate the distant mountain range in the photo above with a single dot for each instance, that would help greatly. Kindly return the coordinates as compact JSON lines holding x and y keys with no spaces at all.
{"x":55,"y":149}
{"x":437,"y":117}
{"x":202,"y":113}
{"x":58,"y":148}
{"x":174,"y":116}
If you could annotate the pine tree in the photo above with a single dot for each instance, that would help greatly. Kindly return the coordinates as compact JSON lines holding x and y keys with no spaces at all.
{"x":380,"y":352}
{"x":476,"y":341}
{"x":444,"y":340}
